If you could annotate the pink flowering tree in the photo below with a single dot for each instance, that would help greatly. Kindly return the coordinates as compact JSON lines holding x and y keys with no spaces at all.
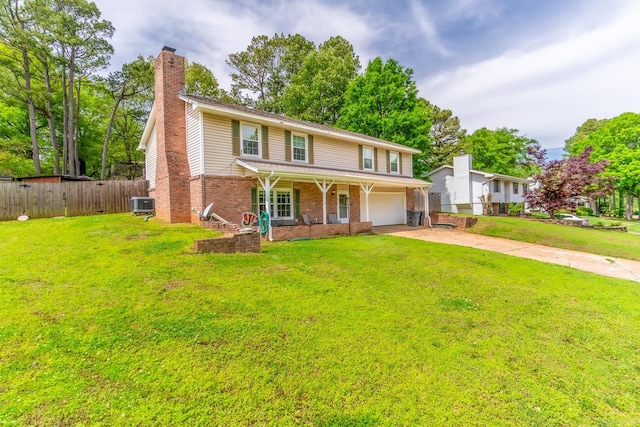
{"x":562,"y":180}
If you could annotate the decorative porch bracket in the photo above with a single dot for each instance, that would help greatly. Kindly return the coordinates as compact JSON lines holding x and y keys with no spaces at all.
{"x":425,"y":193}
{"x":324,"y":187}
{"x":267,"y":185}
{"x":366,"y":188}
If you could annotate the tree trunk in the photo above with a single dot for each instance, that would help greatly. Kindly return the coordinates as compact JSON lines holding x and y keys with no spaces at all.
{"x":70,"y":117}
{"x":52,"y":123}
{"x":32,"y":112}
{"x":105,"y":147}
{"x":76,"y":130}
{"x":629,"y":208}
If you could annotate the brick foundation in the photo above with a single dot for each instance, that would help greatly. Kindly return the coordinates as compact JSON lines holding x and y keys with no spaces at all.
{"x":459,"y":221}
{"x":248,"y":242}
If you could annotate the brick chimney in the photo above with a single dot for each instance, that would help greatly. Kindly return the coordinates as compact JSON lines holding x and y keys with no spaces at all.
{"x":173,"y":201}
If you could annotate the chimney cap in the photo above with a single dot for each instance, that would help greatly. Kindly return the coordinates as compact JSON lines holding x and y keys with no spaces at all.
{"x":168,"y":49}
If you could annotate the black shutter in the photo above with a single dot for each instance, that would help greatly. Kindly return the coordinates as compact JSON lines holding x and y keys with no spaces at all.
{"x":375,"y":159}
{"x":310,"y":146}
{"x":287,"y":145}
{"x":235,"y":137}
{"x":265,"y":142}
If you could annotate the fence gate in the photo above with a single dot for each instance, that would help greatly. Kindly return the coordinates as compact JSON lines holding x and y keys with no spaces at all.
{"x":50,"y":199}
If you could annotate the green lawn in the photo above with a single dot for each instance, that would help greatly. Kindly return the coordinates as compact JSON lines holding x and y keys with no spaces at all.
{"x":108,"y":320}
{"x":601,"y":242}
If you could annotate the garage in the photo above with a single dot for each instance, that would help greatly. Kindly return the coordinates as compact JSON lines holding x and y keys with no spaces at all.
{"x":385,"y":208}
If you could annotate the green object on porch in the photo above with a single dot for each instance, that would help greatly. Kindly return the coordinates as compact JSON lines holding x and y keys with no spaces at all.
{"x":264,"y":222}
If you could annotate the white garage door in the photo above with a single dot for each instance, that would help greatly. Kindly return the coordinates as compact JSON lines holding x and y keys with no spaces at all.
{"x":384,"y":208}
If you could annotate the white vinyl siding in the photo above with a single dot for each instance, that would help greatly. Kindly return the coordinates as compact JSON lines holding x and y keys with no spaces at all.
{"x":194,"y":141}
{"x":218,"y":158}
{"x":330,"y":153}
{"x":151,"y":156}
{"x":407,"y":164}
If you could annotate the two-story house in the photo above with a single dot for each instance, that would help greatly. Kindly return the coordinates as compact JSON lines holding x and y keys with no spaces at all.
{"x":461,"y":188}
{"x":201,"y":151}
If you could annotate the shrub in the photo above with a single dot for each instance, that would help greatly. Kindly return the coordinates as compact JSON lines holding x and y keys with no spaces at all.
{"x":582,"y":211}
{"x":515,"y":209}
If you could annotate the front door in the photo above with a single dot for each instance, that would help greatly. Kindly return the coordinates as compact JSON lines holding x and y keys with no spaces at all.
{"x":343,"y":206}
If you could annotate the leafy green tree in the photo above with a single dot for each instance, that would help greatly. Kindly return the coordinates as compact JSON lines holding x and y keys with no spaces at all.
{"x":383,"y":103}
{"x":582,"y":132}
{"x":265,"y":68}
{"x":502,"y":151}
{"x":15,"y":145}
{"x":317,"y":90}
{"x":446,"y":136}
{"x":79,"y":39}
{"x":134,"y":79}
{"x":16,"y":24}
{"x":618,"y":141}
{"x":199,"y":80}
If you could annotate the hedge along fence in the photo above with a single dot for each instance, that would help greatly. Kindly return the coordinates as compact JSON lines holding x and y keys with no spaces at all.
{"x":73,"y":198}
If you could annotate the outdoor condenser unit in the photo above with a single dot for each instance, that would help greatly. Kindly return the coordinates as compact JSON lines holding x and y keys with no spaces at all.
{"x":143,"y":204}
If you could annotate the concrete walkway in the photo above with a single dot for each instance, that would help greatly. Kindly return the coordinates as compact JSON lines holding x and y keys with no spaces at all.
{"x":597,"y":264}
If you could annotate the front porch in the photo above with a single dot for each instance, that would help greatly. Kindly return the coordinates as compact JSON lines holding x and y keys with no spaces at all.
{"x":315,"y":231}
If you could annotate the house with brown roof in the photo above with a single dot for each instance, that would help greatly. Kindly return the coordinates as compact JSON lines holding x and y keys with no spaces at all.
{"x":201,"y":151}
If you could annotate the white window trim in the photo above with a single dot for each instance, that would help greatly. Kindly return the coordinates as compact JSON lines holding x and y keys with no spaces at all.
{"x":259,"y":139}
{"x":516,"y":189}
{"x":364,"y":167}
{"x":397,"y":172}
{"x":306,"y":148}
{"x":499,"y":185}
{"x":273,"y":204}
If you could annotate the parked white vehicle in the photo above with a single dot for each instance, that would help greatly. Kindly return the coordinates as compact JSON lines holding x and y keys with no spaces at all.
{"x":570,"y":217}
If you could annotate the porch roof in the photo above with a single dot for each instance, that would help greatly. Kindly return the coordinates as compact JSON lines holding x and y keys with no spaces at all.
{"x":310,"y":173}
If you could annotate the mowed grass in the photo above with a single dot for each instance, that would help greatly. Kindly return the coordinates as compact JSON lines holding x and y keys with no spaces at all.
{"x":601,"y":242}
{"x":108,"y":320}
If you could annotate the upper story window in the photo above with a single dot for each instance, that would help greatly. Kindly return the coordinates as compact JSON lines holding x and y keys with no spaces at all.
{"x":525,"y":189}
{"x":496,"y":186}
{"x":367,"y":158}
{"x":299,"y":146}
{"x":250,"y":139}
{"x":394,"y":162}
{"x":515,"y":188}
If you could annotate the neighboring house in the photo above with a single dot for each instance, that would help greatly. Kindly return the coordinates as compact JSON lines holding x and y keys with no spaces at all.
{"x":201,"y":151}
{"x":461,"y":188}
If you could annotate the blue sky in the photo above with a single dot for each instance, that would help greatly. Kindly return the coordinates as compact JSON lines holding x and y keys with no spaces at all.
{"x":542,"y":67}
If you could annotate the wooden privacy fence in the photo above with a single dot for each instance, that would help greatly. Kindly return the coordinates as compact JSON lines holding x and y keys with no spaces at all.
{"x":435,"y":201}
{"x":73,"y":198}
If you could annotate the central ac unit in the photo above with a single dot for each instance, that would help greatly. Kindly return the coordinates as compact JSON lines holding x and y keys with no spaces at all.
{"x":143,"y":204}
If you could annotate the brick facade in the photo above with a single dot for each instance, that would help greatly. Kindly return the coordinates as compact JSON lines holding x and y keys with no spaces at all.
{"x":230,"y":195}
{"x":172,"y":190}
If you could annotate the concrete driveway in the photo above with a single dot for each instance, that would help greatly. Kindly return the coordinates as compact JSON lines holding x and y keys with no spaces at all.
{"x":597,"y":264}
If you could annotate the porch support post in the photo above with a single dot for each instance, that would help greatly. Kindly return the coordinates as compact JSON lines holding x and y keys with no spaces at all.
{"x":267,"y":185}
{"x":367,"y":189}
{"x":425,"y":192}
{"x":324,"y":187}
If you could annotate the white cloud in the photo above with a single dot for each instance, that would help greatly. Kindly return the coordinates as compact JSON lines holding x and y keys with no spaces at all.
{"x":207,"y":32}
{"x":549,"y":91}
{"x":428,"y":27}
